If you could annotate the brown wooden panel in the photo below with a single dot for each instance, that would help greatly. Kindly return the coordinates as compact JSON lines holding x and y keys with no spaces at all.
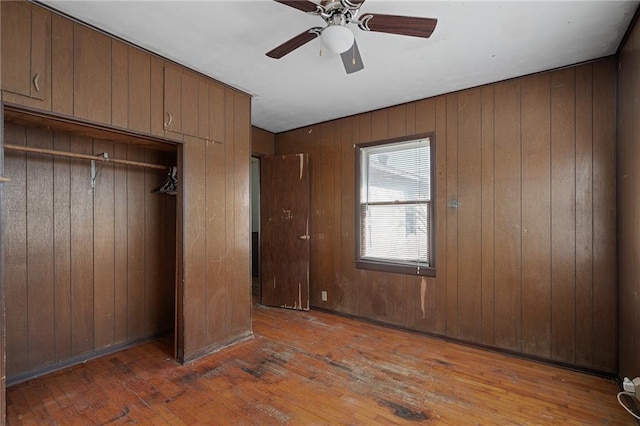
{"x":507,"y":226}
{"x":139,"y":114}
{"x":195,"y":229}
{"x":120,"y":84}
{"x":16,"y":252}
{"x":136,"y":276}
{"x":172,"y":98}
{"x":155,"y":250}
{"x":16,"y":47}
{"x":604,"y":215}
{"x":40,"y":54}
{"x":216,"y":250}
{"x":441,"y":214}
{"x":325,"y":245}
{"x":190,"y":102}
{"x":91,"y":75}
{"x":82,"y":290}
{"x":62,"y":247}
{"x":365,"y":278}
{"x":241,"y":315}
{"x":104,"y":250}
{"x":397,"y":121}
{"x":470,"y":215}
{"x":217,"y":111}
{"x":536,"y":215}
{"x":40,"y":263}
{"x":584,"y":215}
{"x":62,"y":65}
{"x":203,"y":108}
{"x":627,"y":196}
{"x":488,"y":246}
{"x":452,"y":204}
{"x":422,"y":292}
{"x":157,"y":96}
{"x":563,"y":215}
{"x":121,"y":260}
{"x":345,"y":296}
{"x":262,"y":142}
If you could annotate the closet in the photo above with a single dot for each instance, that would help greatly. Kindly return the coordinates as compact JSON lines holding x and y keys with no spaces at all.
{"x":90,"y":248}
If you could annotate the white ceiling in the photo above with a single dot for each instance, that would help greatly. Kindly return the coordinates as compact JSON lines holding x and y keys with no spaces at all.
{"x":475,"y":42}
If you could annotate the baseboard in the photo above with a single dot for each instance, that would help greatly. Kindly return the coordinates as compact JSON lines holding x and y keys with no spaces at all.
{"x":79,"y":359}
{"x":217,"y":347}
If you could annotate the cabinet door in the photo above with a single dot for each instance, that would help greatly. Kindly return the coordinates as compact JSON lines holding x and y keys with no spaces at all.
{"x":172,"y":98}
{"x":92,"y":75}
{"x":26,"y":31}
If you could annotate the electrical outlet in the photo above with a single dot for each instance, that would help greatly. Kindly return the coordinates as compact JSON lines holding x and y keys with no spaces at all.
{"x":324,"y":296}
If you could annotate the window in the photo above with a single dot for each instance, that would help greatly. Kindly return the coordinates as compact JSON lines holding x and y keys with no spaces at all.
{"x":394,"y":216}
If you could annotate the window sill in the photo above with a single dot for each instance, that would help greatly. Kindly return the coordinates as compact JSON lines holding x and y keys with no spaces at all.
{"x":395,"y":268}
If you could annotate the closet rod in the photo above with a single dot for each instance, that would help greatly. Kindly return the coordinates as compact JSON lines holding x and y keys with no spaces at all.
{"x":84,"y":156}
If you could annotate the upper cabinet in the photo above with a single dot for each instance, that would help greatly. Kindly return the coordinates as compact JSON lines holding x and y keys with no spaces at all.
{"x":26,"y":50}
{"x":186,"y":102}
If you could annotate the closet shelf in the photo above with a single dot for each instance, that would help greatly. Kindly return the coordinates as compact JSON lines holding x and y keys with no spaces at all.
{"x":101,"y":157}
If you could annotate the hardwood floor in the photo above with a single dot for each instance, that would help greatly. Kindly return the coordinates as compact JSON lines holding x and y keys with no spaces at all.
{"x":316,"y":368}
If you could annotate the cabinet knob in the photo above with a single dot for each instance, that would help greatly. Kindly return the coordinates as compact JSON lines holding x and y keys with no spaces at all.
{"x":304,"y":237}
{"x":168,"y":123}
{"x":36,"y":84}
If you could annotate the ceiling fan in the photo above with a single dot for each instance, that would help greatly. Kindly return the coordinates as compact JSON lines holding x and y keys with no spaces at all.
{"x":336,"y":35}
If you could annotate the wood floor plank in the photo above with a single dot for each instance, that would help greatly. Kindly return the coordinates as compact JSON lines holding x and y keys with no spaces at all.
{"x":317,"y":368}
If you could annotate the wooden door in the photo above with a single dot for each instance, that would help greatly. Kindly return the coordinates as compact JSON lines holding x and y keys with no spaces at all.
{"x":284,"y":223}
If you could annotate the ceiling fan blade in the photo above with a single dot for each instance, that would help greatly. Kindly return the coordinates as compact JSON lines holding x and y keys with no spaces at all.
{"x":352,"y":60}
{"x":303,"y":5}
{"x":402,"y":25}
{"x":292,"y":44}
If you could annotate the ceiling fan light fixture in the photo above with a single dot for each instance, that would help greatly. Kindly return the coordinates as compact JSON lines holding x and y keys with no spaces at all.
{"x":337,"y":38}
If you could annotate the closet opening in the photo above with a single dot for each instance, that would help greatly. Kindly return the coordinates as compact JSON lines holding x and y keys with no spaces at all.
{"x":91,"y":241}
{"x":255,"y":230}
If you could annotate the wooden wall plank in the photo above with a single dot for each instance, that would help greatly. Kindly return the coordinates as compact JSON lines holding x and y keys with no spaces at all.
{"x":441,"y":214}
{"x":82,"y":322}
{"x":217,"y":111}
{"x":104,"y":250}
{"x":230,"y":218}
{"x":62,"y":65}
{"x":172,"y":117}
{"x":488,"y":203}
{"x":120,"y":84}
{"x":139,"y":94}
{"x":326,"y":244}
{"x":584,"y":214}
{"x":216,"y":249}
{"x":203,"y":108}
{"x":16,"y":253}
{"x":40,"y":256}
{"x":344,"y":295}
{"x":241,"y":284}
{"x":91,"y":75}
{"x":563,"y":214}
{"x":263,"y":143}
{"x":452,"y":215}
{"x":336,"y":253}
{"x":536,"y":215}
{"x":157,"y":96}
{"x":507,"y":226}
{"x":62,"y":247}
{"x":628,"y":152}
{"x":121,"y":259}
{"x":604,"y":214}
{"x":155,"y":250}
{"x":190,"y":103}
{"x":136,"y":278}
{"x":421,"y":118}
{"x":470,"y":214}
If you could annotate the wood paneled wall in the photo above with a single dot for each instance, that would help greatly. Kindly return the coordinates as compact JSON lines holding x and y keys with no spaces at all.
{"x":90,"y":77}
{"x":629,"y":204}
{"x":217,"y":238}
{"x":86,"y":268}
{"x":527,"y":262}
{"x":262,"y":142}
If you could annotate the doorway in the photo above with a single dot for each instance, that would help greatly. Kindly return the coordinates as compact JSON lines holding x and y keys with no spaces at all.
{"x":255,"y":229}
